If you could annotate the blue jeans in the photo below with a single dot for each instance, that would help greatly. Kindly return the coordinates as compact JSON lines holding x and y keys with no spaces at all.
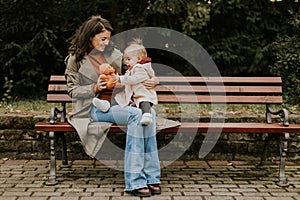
{"x":141,"y":162}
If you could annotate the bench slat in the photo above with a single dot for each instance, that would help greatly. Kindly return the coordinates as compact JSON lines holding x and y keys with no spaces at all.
{"x":57,"y":78}
{"x":59,"y":98}
{"x":225,"y":80}
{"x":203,"y":127}
{"x":219,"y":89}
{"x":192,"y":99}
{"x":197,"y":79}
{"x":220,"y":99}
{"x":62,"y":88}
{"x":57,"y":88}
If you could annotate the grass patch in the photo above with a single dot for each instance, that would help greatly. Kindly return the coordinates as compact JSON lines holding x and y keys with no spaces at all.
{"x":27,"y":106}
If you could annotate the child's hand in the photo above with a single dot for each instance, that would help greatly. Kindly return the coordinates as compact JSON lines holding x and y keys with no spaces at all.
{"x":111,"y":83}
{"x":116,"y":77}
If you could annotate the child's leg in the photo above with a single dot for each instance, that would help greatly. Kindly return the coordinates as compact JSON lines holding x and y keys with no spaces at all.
{"x":145,"y":106}
{"x":102,"y":105}
{"x":146,"y":110}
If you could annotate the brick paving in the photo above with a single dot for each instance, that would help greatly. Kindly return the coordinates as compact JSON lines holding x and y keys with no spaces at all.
{"x":203,"y":180}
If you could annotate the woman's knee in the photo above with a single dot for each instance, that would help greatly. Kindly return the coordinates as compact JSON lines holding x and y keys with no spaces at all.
{"x":135,"y":113}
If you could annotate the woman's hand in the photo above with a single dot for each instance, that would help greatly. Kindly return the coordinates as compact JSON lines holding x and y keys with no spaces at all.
{"x":151,"y":83}
{"x":99,"y":86}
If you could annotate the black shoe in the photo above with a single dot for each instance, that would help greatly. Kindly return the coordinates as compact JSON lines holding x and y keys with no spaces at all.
{"x":154,"y":189}
{"x":142,"y":192}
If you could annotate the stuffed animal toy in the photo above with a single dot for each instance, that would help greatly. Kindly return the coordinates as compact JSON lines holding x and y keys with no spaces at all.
{"x":106,"y":76}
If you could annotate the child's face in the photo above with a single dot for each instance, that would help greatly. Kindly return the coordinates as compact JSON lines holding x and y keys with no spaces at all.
{"x":131,"y":59}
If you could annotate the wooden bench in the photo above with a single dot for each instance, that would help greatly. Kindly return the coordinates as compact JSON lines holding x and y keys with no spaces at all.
{"x":191,"y":90}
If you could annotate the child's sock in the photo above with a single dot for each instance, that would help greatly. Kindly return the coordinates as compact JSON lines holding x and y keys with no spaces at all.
{"x":146,"y":119}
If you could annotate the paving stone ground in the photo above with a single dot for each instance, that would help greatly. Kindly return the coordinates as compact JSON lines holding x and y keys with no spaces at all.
{"x":203,"y":180}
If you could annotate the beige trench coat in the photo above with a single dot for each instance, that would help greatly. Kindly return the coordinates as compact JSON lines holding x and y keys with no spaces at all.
{"x":80,"y":77}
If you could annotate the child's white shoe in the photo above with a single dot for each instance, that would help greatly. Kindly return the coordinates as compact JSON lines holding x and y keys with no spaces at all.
{"x":102,"y":105}
{"x":146,"y":119}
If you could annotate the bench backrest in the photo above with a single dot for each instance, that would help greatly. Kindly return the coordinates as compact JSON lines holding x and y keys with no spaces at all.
{"x":196,"y":89}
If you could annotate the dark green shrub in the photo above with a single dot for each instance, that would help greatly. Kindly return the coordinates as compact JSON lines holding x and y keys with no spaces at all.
{"x":285,"y":52}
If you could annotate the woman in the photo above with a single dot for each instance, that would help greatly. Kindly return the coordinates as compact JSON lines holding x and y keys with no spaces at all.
{"x":91,"y":47}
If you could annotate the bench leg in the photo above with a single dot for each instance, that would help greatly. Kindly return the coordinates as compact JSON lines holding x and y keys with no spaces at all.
{"x":52,"y":176}
{"x":263,"y":157}
{"x":64,"y":152}
{"x":283,"y":145}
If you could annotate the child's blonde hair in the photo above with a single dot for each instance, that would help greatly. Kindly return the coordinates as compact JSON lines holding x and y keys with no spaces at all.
{"x":136,"y":46}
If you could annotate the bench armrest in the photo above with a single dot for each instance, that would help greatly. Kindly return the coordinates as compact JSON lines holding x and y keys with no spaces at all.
{"x":54,"y":111}
{"x":283,"y":114}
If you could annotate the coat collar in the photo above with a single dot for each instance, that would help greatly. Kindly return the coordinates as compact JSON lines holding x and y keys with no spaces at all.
{"x":115,"y":60}
{"x":87,"y":69}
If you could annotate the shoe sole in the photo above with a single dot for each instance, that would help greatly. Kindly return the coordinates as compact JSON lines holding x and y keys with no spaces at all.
{"x":153,"y":192}
{"x":138,"y":194}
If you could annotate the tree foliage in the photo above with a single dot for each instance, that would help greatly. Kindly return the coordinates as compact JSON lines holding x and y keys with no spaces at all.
{"x":284,"y":53}
{"x":242,"y":36}
{"x":240,"y":30}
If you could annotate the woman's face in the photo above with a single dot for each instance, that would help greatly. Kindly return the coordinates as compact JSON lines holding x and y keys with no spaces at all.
{"x":100,"y":40}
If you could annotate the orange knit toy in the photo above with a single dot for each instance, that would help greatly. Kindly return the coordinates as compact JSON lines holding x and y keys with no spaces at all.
{"x":106,"y":76}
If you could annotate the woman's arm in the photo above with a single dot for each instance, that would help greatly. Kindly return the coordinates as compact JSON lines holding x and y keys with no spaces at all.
{"x":151,"y":83}
{"x":74,"y":82}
